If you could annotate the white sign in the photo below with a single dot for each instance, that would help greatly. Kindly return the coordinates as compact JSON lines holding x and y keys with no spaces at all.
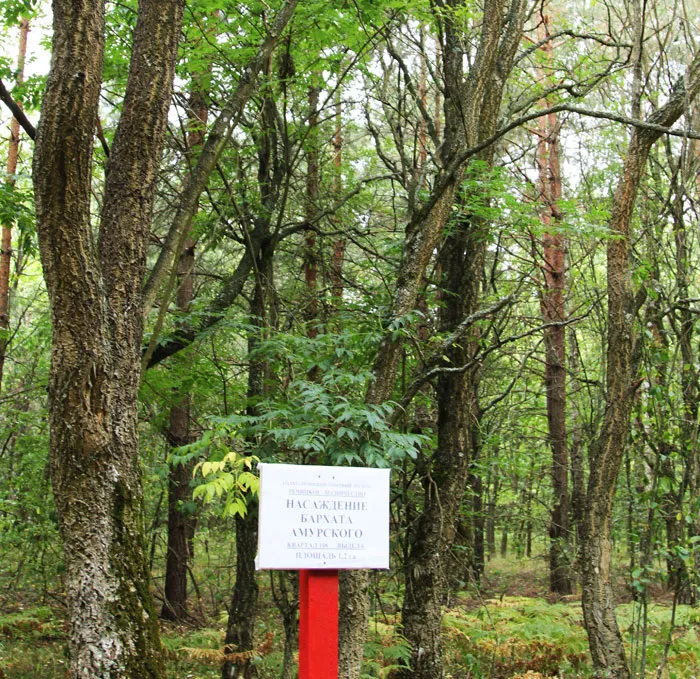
{"x":323,"y":517}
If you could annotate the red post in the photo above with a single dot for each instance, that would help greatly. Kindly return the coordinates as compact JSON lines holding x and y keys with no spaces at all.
{"x":318,"y":624}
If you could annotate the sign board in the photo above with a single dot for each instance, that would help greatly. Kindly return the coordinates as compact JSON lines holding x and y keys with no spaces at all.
{"x":314,"y":517}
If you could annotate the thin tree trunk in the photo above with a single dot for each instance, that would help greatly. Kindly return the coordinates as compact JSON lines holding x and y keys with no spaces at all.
{"x":242,"y":615}
{"x":311,"y":210}
{"x":6,"y":236}
{"x":690,"y":378}
{"x":285,"y":592}
{"x":578,"y":483}
{"x":554,"y":311}
{"x":182,"y":522}
{"x":339,"y":244}
{"x":529,"y":494}
{"x":240,"y":630}
{"x":491,"y":503}
{"x":476,"y":490}
{"x":690,"y":384}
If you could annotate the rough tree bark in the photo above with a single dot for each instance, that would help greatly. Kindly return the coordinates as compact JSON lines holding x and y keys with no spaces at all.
{"x":471,"y":110}
{"x":6,"y":238}
{"x":607,"y":451}
{"x":444,"y":487}
{"x":683,"y":326}
{"x":96,"y":301}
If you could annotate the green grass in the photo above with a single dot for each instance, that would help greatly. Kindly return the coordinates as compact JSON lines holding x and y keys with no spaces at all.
{"x":496,"y":638}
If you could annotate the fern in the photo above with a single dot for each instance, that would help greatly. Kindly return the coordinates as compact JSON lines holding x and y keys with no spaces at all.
{"x":218,"y":656}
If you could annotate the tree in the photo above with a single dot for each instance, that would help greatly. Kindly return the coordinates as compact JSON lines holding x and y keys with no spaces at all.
{"x":472,"y":104}
{"x":181,"y":517}
{"x":607,"y":451}
{"x":554,"y":315}
{"x":95,"y":292}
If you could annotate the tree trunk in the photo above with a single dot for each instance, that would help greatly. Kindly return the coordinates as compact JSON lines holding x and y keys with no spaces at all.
{"x":339,"y":244}
{"x":478,"y":556}
{"x":607,"y":451}
{"x":6,"y":236}
{"x":422,"y":235}
{"x":311,"y":210}
{"x":578,"y":481}
{"x":242,"y":616}
{"x":471,"y":108}
{"x":491,"y":503}
{"x":553,"y":312}
{"x":95,"y":296}
{"x":353,"y":592}
{"x":458,"y":411}
{"x":182,"y":522}
{"x":285,"y":592}
{"x":690,"y":384}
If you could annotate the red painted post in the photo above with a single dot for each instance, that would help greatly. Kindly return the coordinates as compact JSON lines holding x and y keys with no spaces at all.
{"x":318,"y":624}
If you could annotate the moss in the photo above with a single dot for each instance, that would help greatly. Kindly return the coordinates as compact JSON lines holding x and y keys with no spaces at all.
{"x":134,"y":609}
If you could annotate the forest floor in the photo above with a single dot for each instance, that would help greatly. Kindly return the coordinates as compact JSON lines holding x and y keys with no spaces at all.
{"x":511,"y":628}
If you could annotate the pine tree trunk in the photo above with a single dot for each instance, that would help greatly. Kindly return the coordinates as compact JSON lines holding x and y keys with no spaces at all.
{"x":6,"y":234}
{"x":554,"y":311}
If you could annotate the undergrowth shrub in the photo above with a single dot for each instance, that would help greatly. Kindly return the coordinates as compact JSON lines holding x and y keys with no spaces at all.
{"x":39,"y":624}
{"x":385,"y":652}
{"x":514,"y":637}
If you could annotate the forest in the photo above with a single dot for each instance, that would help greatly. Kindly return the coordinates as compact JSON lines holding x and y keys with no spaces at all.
{"x":456,"y":239}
